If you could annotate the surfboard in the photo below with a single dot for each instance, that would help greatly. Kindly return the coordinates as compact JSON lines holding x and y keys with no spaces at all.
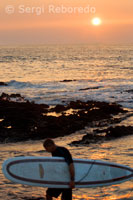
{"x":53,"y":172}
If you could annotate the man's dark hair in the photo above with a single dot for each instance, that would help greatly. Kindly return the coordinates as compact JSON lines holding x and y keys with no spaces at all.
{"x":48,"y":142}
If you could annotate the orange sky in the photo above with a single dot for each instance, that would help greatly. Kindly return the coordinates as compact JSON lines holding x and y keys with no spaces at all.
{"x":29,"y":26}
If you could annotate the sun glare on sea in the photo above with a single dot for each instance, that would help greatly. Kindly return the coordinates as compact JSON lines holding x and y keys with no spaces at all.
{"x":96,"y":21}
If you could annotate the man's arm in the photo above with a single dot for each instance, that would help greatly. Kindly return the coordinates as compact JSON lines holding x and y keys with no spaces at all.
{"x":72,"y":175}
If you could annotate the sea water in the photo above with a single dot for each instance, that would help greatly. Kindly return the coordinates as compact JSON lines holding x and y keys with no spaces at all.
{"x":118,"y":151}
{"x":57,"y":74}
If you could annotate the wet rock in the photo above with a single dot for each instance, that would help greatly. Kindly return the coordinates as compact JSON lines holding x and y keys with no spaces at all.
{"x":3,"y":84}
{"x":119,"y":131}
{"x":58,"y":109}
{"x":79,"y":105}
{"x":101,"y":135}
{"x":115,"y":132}
{"x":66,"y":80}
{"x":15,"y":95}
{"x":20,"y":121}
{"x":90,"y":88}
{"x":129,"y":91}
{"x":88,"y":139}
{"x":8,"y":97}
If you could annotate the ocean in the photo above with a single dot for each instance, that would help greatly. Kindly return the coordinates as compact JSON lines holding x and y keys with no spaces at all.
{"x":57,"y":74}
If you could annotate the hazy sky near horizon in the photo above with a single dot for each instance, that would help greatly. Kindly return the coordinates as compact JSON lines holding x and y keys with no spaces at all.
{"x":63,"y":21}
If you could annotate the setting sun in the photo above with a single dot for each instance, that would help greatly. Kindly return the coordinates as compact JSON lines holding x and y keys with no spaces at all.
{"x":96,"y":21}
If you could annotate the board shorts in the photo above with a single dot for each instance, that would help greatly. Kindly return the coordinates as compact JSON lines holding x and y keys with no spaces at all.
{"x":55,"y":192}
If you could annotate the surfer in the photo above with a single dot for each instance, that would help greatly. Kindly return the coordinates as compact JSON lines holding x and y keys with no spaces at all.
{"x":58,"y":151}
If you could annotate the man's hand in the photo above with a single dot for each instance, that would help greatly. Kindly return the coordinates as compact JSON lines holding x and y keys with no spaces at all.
{"x":72,"y":184}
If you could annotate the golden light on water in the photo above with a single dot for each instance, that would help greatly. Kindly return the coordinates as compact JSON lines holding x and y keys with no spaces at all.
{"x":85,"y":197}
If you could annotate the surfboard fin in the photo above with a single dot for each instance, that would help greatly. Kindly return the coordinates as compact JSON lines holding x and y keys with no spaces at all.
{"x":41,"y":171}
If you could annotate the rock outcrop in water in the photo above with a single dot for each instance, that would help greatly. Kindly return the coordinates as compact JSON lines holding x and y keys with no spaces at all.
{"x":3,"y":84}
{"x":24,"y":120}
{"x":105,"y":135}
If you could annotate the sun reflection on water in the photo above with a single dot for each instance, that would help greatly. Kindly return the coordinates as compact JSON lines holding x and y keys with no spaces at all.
{"x":97,"y":197}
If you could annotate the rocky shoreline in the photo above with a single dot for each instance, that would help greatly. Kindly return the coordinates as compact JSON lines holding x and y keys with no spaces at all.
{"x":98,"y":136}
{"x":21,"y":120}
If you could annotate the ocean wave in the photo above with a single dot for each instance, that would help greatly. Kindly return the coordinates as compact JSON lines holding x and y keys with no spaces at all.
{"x":50,"y":84}
{"x":26,"y":85}
{"x":18,"y":84}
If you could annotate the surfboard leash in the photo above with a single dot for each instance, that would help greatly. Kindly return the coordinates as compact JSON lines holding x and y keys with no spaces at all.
{"x":87,"y":172}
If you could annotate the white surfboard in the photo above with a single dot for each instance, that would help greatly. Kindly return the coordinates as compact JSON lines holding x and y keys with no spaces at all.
{"x":53,"y":172}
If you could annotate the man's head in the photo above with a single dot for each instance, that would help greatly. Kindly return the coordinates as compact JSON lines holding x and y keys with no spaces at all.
{"x":49,"y":145}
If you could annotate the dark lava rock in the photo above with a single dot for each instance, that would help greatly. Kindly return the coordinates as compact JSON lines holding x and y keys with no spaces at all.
{"x":115,"y":132}
{"x":110,"y":133}
{"x":91,"y":88}
{"x":20,"y":121}
{"x":8,"y":97}
{"x":58,"y":109}
{"x":119,"y":131}
{"x":15,"y":95}
{"x":3,"y":84}
{"x":66,"y":80}
{"x":89,"y":139}
{"x":129,"y":91}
